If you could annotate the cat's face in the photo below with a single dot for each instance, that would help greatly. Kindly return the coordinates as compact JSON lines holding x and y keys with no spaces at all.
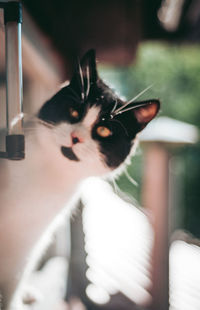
{"x":84,"y":121}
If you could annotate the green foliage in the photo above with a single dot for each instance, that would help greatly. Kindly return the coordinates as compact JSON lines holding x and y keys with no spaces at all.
{"x":174,"y":72}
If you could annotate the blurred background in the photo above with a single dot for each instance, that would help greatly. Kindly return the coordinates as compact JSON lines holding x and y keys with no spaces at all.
{"x":117,"y":253}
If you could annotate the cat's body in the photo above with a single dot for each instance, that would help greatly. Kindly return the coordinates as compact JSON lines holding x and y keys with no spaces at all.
{"x":77,"y":134}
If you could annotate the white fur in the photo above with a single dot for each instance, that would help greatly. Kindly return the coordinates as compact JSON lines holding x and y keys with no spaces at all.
{"x":33,"y":193}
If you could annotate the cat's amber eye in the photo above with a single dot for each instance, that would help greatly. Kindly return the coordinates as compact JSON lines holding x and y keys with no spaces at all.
{"x":103,"y":131}
{"x":74,"y":113}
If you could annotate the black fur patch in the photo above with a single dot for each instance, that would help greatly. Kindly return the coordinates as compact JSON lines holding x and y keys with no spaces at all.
{"x":68,"y":152}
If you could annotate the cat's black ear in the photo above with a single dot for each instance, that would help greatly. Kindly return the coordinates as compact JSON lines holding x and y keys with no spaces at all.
{"x":146,"y":111}
{"x":88,"y":66}
{"x":85,"y":74}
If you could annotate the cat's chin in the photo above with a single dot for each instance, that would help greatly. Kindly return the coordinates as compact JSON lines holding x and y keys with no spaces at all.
{"x":69,"y":153}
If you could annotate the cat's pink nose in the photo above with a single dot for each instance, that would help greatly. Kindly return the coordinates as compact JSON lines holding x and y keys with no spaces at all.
{"x":76,"y":139}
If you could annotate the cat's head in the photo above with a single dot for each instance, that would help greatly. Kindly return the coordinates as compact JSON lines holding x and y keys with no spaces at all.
{"x":91,"y":125}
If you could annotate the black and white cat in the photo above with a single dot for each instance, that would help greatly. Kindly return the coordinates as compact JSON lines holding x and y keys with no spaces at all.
{"x":84,"y":130}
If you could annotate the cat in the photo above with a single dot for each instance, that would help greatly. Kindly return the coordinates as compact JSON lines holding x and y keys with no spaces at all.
{"x":83,"y":130}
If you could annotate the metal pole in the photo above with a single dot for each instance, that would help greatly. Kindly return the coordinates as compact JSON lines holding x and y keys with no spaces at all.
{"x":13,"y":77}
{"x":14,"y":138}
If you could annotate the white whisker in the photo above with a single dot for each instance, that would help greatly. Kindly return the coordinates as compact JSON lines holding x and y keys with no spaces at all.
{"x":115,"y":186}
{"x":140,"y":94}
{"x":114,"y":107}
{"x":131,"y":101}
{"x":88,"y":81}
{"x":132,"y":108}
{"x":119,"y":192}
{"x":82,"y":81}
{"x":47,"y":124}
{"x":130,"y":178}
